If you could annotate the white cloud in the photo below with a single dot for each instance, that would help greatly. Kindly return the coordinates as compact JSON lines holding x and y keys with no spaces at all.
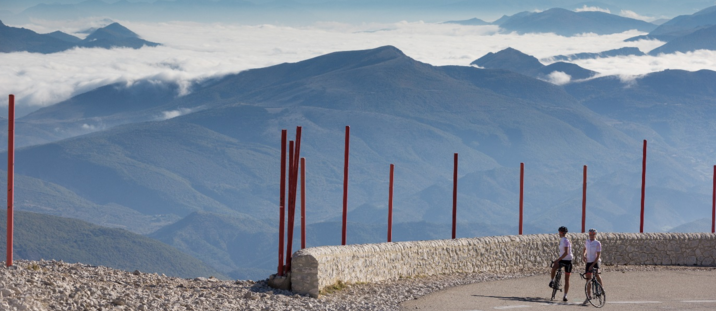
{"x":629,"y":80}
{"x":634,"y":15}
{"x":196,"y":51}
{"x":174,"y":113}
{"x":558,"y":78}
{"x":640,"y":65}
{"x":586,"y":8}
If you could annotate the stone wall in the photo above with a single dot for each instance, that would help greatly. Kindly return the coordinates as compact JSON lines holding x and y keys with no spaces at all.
{"x":316,"y":268}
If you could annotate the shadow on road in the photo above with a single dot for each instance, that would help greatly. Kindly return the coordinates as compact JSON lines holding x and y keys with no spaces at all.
{"x":525,"y":299}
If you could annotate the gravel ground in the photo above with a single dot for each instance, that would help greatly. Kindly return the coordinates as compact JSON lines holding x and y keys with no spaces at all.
{"x":55,"y":285}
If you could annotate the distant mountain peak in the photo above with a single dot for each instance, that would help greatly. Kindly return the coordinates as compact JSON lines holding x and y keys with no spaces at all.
{"x":516,"y":61}
{"x":389,"y":50}
{"x":114,"y":30}
{"x":510,"y":59}
{"x":376,"y":55}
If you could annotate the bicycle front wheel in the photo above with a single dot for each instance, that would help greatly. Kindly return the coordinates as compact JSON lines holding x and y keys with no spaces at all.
{"x":599,"y":297}
{"x":556,"y":284}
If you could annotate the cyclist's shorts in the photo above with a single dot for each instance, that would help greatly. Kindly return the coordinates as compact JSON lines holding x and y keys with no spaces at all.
{"x":596,"y":266}
{"x":567,"y":264}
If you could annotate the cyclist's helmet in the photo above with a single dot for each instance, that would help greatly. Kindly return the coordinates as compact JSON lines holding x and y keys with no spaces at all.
{"x":563,"y":229}
{"x":592,"y":230}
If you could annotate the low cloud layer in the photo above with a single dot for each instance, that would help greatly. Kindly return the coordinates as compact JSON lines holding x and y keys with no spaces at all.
{"x":195,"y":51}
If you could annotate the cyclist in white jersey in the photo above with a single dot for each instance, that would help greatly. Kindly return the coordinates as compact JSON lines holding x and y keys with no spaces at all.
{"x":565,"y":259}
{"x":592,"y":255}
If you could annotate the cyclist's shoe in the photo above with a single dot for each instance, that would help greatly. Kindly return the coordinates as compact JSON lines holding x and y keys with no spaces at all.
{"x":551,"y":284}
{"x":586,"y":301}
{"x":565,"y":299}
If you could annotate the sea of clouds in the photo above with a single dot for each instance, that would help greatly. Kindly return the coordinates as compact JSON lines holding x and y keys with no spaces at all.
{"x":194,"y":51}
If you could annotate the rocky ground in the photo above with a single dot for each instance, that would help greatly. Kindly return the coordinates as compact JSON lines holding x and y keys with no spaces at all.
{"x":55,"y":285}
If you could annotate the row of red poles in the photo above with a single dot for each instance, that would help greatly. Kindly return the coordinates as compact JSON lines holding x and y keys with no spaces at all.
{"x":286,"y":267}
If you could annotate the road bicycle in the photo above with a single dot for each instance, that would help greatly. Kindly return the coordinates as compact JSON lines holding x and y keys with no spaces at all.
{"x":594,"y":290}
{"x":557,"y":281}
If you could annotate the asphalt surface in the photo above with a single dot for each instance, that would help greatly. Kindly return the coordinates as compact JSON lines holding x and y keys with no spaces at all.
{"x":674,"y":288}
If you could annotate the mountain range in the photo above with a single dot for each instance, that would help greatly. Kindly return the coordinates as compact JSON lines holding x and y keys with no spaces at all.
{"x":563,"y":22}
{"x":684,"y":33}
{"x":113,"y":35}
{"x":569,"y":23}
{"x":200,"y":172}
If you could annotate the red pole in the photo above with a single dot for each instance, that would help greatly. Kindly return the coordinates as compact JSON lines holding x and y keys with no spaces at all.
{"x":454,"y":195}
{"x":10,"y":175}
{"x":345,"y":184}
{"x":303,"y":203}
{"x":522,"y":182}
{"x":584,"y":198}
{"x":291,"y":204}
{"x":643,"y":186}
{"x":713,"y":205}
{"x":282,"y":204}
{"x":390,"y":205}
{"x":294,"y":154}
{"x":297,"y":156}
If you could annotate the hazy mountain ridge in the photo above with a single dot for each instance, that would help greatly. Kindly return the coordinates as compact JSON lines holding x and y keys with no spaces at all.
{"x":563,"y":22}
{"x":702,"y":39}
{"x":469,"y":22}
{"x":569,"y":23}
{"x":21,"y":39}
{"x":682,"y":25}
{"x":685,"y":33}
{"x":38,"y":236}
{"x":625,"y":51}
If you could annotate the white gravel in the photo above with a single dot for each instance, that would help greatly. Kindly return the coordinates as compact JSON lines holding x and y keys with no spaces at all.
{"x":55,"y":285}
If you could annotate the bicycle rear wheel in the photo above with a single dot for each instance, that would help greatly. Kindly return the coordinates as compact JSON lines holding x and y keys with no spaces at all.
{"x":556,"y":285}
{"x":599,"y":297}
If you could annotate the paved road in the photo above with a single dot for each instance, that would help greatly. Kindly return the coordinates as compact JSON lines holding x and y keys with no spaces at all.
{"x":682,"y":289}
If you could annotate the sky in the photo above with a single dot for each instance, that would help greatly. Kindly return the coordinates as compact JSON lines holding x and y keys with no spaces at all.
{"x":193,"y":51}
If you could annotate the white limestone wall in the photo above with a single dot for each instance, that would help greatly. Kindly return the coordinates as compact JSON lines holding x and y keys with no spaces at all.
{"x":316,"y":268}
